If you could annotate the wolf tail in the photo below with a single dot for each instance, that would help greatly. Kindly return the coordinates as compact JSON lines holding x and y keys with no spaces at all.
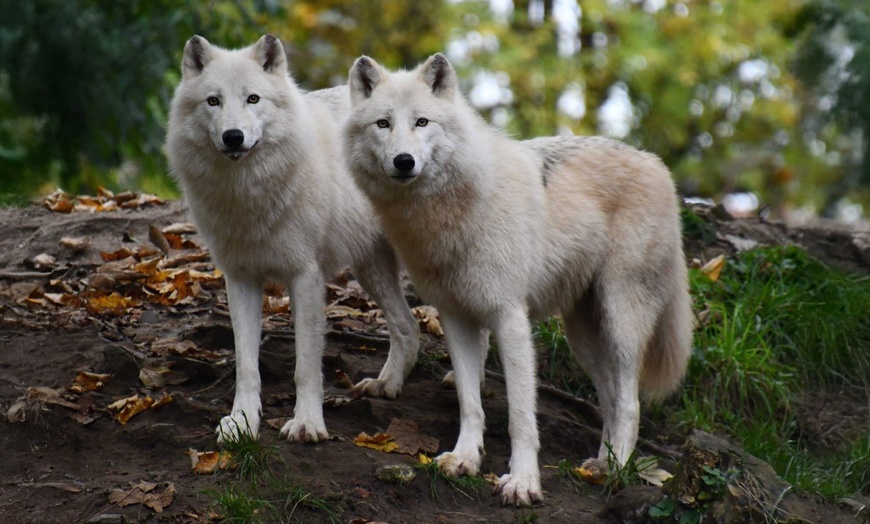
{"x":667,"y":357}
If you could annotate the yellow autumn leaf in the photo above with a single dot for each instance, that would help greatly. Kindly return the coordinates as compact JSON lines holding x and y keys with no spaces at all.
{"x":379,"y":441}
{"x":713,"y":268}
{"x":87,"y":381}
{"x":207,"y":462}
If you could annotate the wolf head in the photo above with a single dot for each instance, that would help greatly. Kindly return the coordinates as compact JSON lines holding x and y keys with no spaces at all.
{"x":229,"y":98}
{"x":404,"y":126}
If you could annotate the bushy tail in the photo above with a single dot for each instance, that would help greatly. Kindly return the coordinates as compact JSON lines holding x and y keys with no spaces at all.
{"x":667,"y":356}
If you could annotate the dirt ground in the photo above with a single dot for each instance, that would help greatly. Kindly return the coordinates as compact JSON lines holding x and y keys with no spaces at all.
{"x":62,"y":456}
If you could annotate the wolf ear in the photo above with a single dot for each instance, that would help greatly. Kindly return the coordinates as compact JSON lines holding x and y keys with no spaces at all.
{"x":440,"y":76}
{"x":197,"y":53}
{"x":269,"y":52}
{"x":365,"y":75}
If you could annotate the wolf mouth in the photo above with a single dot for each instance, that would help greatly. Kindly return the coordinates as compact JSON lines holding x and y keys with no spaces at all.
{"x":403,"y":178}
{"x":238,"y":154}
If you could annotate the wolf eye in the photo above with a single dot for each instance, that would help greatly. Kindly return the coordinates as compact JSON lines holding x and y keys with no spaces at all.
{"x":253,"y":99}
{"x":213,"y":101}
{"x":383,"y":123}
{"x":422,"y":122}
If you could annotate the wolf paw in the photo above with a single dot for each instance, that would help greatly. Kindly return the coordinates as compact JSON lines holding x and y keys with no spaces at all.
{"x":519,"y":490}
{"x":376,"y":387}
{"x":455,"y":463}
{"x":233,"y":426}
{"x":301,"y":430}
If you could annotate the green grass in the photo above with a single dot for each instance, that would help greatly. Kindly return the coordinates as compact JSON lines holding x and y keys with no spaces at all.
{"x":775,"y":326}
{"x":466,"y":485}
{"x":252,"y":492}
{"x":14,"y":200}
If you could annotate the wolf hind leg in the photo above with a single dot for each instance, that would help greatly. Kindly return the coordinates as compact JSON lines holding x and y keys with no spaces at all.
{"x":380,"y":279}
{"x":608,"y":331}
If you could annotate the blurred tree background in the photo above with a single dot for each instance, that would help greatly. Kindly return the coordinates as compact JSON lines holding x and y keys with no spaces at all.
{"x":755,"y":102}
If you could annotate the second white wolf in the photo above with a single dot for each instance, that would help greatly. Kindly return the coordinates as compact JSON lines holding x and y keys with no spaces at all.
{"x":493,"y":230}
{"x":260,"y":165}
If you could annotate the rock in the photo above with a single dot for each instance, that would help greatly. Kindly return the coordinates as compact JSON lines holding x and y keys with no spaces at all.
{"x":396,"y":473}
{"x":728,"y":485}
{"x":632,"y":505}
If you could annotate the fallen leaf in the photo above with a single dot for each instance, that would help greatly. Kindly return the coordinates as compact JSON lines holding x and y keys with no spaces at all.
{"x":423,"y":459}
{"x":151,"y":378}
{"x":114,"y":303}
{"x":713,"y":268}
{"x":334,"y":401}
{"x":592,"y":475}
{"x":179,"y":228}
{"x":76,"y":245}
{"x":156,"y":237}
{"x":655,"y":476}
{"x":87,"y":381}
{"x":427,"y":317}
{"x":59,"y":202}
{"x":491,"y":478}
{"x":17,"y":412}
{"x":42,"y":261}
{"x":380,"y":441}
{"x":143,"y":493}
{"x":207,"y":462}
{"x":120,"y":254}
{"x":342,"y":380}
{"x":127,"y":408}
{"x":50,"y":396}
{"x":408,"y":438}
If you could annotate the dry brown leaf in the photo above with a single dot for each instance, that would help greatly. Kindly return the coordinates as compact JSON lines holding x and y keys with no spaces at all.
{"x":342,"y":380}
{"x":50,"y":396}
{"x":87,"y":381}
{"x":75,"y":244}
{"x":276,"y":305}
{"x":148,"y":267}
{"x":713,"y":268}
{"x":59,"y":202}
{"x":410,"y":441}
{"x":179,"y":228}
{"x":427,"y":317}
{"x":114,"y":304}
{"x":17,"y":412}
{"x":152,"y":379}
{"x":120,"y":254}
{"x":334,"y":401}
{"x":127,"y":408}
{"x":156,"y":237}
{"x":208,"y":462}
{"x":379,"y":441}
{"x":143,"y":493}
{"x":184,"y":348}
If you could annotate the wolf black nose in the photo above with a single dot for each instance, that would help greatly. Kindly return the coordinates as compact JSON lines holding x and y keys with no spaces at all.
{"x":404,"y":162}
{"x":233,"y":138}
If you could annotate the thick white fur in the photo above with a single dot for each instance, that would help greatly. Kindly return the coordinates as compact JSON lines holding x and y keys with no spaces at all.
{"x":493,"y":230}
{"x":286,"y":210}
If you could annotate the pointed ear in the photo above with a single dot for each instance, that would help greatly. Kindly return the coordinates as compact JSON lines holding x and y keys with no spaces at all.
{"x":269,"y":53}
{"x":365,"y":75}
{"x":197,"y":53}
{"x":440,"y":76}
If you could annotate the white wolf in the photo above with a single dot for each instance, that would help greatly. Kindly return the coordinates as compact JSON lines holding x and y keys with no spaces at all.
{"x":493,"y":230}
{"x":260,"y":166}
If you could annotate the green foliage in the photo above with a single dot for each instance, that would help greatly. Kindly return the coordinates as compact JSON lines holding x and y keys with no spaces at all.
{"x":466,"y":485}
{"x":252,"y":459}
{"x":621,"y":476}
{"x":558,"y":364}
{"x":778,"y":324}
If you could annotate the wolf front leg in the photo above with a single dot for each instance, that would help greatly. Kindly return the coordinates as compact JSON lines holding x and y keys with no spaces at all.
{"x":245,"y":296}
{"x":463,"y":341}
{"x":522,"y":486}
{"x":308,"y":302}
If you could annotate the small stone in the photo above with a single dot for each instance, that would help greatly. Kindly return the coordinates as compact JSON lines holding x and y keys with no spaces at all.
{"x":397,"y":473}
